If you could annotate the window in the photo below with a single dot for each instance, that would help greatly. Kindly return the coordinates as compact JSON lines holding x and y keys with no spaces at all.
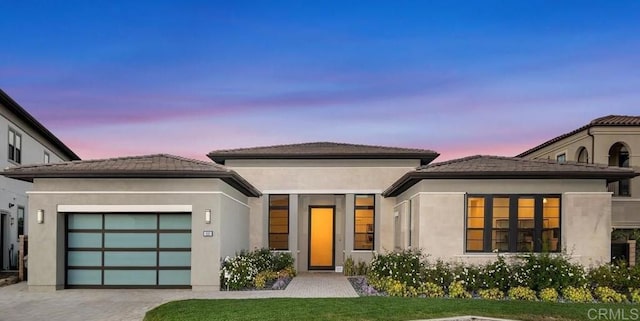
{"x":583,"y":155}
{"x":619,"y":156}
{"x":364,"y":222}
{"x":279,"y":222}
{"x":20,"y":220}
{"x":46,"y":158}
{"x":15,"y":146}
{"x":561,"y":158}
{"x":513,"y":223}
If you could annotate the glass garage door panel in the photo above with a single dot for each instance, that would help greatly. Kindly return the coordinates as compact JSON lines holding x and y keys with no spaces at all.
{"x":174,"y":277}
{"x":175,"y":258}
{"x":130,"y":222}
{"x":85,"y":221}
{"x":130,"y":277}
{"x":130,"y":240}
{"x":130,"y":259}
{"x":84,"y":240}
{"x":84,"y":258}
{"x":175,"y":240}
{"x":175,"y":222}
{"x":84,"y":277}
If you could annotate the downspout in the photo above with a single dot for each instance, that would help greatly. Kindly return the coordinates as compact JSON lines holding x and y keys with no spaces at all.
{"x":593,"y":146}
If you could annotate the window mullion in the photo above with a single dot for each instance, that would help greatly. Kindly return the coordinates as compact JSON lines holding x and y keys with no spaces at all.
{"x":513,"y":223}
{"x":488,"y":224}
{"x":538,"y":222}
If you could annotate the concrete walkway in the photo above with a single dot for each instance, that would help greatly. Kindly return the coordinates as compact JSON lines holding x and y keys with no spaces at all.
{"x":17,"y":303}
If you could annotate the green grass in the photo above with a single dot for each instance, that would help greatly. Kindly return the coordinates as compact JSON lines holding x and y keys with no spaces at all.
{"x":370,"y":308}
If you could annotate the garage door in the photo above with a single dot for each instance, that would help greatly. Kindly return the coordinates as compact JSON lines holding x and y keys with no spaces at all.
{"x":137,"y":250}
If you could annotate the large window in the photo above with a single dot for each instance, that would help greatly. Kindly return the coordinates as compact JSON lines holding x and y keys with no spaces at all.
{"x":15,"y":146}
{"x":513,"y":223}
{"x":364,"y":222}
{"x":20,"y":220}
{"x":279,"y":222}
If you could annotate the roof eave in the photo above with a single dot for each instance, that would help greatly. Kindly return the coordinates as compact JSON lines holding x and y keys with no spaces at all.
{"x":12,"y":105}
{"x":423,"y":157}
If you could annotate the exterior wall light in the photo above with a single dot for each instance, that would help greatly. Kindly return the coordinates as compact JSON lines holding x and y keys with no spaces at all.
{"x":207,"y":216}
{"x":40,"y":216}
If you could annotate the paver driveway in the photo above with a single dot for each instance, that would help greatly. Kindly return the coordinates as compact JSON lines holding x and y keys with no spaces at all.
{"x":19,"y":304}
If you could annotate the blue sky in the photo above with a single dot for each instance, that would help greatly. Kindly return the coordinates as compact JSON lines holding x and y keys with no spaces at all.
{"x":117,"y":78}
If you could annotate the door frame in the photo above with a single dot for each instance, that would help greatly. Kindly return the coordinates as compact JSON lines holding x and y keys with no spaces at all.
{"x":333,"y":238}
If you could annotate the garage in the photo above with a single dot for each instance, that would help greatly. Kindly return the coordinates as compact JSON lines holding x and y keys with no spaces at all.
{"x":128,"y":250}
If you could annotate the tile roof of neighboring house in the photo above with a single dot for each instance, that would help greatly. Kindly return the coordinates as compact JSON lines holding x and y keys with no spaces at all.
{"x":148,"y":166}
{"x":14,"y":107}
{"x":611,"y":120}
{"x":498,"y":167}
{"x":323,"y":150}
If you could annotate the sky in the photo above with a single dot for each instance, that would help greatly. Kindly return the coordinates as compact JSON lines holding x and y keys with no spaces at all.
{"x":120,"y":78}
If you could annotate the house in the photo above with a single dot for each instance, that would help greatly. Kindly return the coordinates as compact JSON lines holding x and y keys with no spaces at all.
{"x":28,"y":142}
{"x":612,"y":140}
{"x":167,"y":221}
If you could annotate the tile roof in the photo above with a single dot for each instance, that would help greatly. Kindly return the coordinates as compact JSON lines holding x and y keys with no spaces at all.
{"x":611,"y":120}
{"x":15,"y":108}
{"x":147,"y":166}
{"x":499,"y":167}
{"x":323,"y":150}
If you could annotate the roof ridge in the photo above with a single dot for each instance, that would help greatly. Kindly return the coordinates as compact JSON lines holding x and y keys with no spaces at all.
{"x":320,"y":142}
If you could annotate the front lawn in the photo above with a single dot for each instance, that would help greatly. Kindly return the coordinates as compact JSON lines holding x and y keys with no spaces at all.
{"x":374,"y":308}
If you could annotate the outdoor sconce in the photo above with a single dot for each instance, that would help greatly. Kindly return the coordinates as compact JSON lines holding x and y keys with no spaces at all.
{"x":207,"y":216}
{"x":40,"y":216}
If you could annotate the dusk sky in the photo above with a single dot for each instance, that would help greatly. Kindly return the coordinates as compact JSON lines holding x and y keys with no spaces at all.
{"x":117,"y":78}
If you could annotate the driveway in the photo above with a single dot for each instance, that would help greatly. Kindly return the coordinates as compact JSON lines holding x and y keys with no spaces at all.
{"x":19,"y":304}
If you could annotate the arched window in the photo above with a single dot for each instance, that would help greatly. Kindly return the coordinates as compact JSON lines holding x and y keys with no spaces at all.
{"x":619,"y":156}
{"x":583,"y":155}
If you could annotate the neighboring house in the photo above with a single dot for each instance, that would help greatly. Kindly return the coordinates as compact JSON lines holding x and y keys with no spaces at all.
{"x":167,"y":221}
{"x":27,"y":141}
{"x":612,"y":140}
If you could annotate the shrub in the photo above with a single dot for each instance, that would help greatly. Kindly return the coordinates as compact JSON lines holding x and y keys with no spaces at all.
{"x":237,"y":272}
{"x":491,"y":294}
{"x":522,"y":293}
{"x":348,"y":268}
{"x":608,"y":295}
{"x":260,"y":281}
{"x":403,"y":266}
{"x":262,"y":258}
{"x":439,"y":273}
{"x":634,"y":295}
{"x":579,"y":295}
{"x":497,"y":275}
{"x":548,"y":295}
{"x":430,"y":290}
{"x":618,"y":276}
{"x":281,"y":261}
{"x":361,"y":268}
{"x":458,"y":291}
{"x":546,"y":270}
{"x":470,"y":275}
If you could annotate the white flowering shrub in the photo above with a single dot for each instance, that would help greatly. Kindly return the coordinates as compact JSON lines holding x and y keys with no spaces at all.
{"x":541,"y":271}
{"x":402,"y":266}
{"x":240,"y":272}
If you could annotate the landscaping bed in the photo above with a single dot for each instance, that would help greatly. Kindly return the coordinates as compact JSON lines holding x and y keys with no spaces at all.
{"x":260,"y":269}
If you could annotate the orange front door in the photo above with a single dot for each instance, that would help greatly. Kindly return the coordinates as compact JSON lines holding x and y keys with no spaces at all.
{"x":321,"y":243}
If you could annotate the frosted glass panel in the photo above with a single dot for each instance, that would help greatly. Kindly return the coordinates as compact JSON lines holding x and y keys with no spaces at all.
{"x":129,"y":258}
{"x":175,"y":240}
{"x":83,"y":258}
{"x":130,"y":221}
{"x":175,"y":258}
{"x":129,"y":277}
{"x":85,"y":240}
{"x":130,"y":240}
{"x":84,"y":277}
{"x":85,"y":221}
{"x":175,"y":222}
{"x":175,"y":277}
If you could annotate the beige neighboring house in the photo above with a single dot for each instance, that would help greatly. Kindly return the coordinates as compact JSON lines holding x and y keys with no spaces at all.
{"x":611,"y":140}
{"x":163,"y":221}
{"x":26,"y":141}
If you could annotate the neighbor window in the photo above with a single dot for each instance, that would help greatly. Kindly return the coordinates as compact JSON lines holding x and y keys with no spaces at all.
{"x":279,"y":222}
{"x":15,"y":146}
{"x":46,"y":158}
{"x":20,"y":220}
{"x":364,"y":222}
{"x":513,"y":223}
{"x":561,"y":158}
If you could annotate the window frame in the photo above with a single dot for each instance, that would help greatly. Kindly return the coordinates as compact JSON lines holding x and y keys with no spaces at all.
{"x":513,"y":228}
{"x":46,"y":158}
{"x":373,"y":222}
{"x":20,"y":220}
{"x":561,"y":157}
{"x":286,"y":208}
{"x":14,"y":150}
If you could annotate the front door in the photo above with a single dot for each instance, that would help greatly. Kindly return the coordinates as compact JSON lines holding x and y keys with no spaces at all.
{"x":321,"y":242}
